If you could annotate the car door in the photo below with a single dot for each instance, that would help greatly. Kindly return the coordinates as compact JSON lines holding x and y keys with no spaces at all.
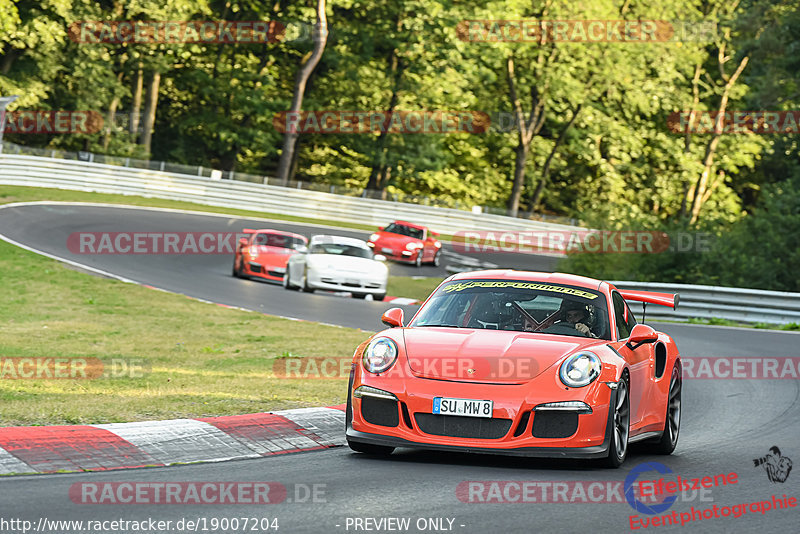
{"x":640,"y":361}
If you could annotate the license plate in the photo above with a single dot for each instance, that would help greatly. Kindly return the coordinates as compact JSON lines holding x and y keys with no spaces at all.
{"x":463,"y":407}
{"x":387,"y":250}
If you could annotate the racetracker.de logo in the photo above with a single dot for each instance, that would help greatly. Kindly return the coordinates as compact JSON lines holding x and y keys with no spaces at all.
{"x":584,"y":31}
{"x":154,"y":242}
{"x":474,"y":368}
{"x":580,"y":242}
{"x":400,"y":122}
{"x":23,"y":368}
{"x":734,"y":122}
{"x":146,"y":32}
{"x":560,"y":491}
{"x":51,"y":122}
{"x":726,"y":368}
{"x":177,"y":492}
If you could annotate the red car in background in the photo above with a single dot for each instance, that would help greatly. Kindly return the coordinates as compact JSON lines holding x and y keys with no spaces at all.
{"x":264,"y":253}
{"x":407,"y":242}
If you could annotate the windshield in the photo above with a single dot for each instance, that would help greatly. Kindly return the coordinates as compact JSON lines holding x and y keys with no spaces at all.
{"x":402,"y":229}
{"x":518,"y":305}
{"x":341,"y":250}
{"x":278,"y":240}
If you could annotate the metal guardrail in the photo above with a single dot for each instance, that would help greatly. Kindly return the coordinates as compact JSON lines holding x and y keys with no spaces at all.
{"x":713,"y":302}
{"x":96,"y":177}
{"x":343,"y":190}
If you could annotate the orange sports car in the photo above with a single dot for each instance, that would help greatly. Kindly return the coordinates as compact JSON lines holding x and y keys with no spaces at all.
{"x":264,"y":253}
{"x":519,"y":363}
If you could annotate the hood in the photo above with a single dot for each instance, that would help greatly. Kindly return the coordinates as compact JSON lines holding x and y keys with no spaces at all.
{"x":274,"y":255}
{"x":489,"y":356}
{"x":395,"y":241}
{"x":345,"y":264}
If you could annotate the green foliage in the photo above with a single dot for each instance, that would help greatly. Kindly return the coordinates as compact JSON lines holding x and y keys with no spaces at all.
{"x":617,"y":166}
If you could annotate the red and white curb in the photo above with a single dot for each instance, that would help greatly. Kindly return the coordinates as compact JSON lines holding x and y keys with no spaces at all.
{"x":48,"y":449}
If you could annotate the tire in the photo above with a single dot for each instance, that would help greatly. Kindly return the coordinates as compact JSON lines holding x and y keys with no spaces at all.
{"x":286,"y":283}
{"x":235,"y":272}
{"x":672,"y":422}
{"x":379,"y":297}
{"x":621,"y":421}
{"x":436,"y":259}
{"x":361,"y":296}
{"x":368,"y":448}
{"x":239,"y":270}
{"x":304,"y":283}
{"x":418,"y":261}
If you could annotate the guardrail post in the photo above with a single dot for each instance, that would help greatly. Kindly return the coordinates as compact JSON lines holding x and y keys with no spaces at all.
{"x":162,"y":166}
{"x":200,"y":170}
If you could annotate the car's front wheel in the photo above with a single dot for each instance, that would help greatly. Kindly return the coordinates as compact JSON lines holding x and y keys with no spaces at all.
{"x":620,"y":421}
{"x":286,"y":283}
{"x":304,"y":283}
{"x":672,"y":424}
{"x":437,"y":259}
{"x":418,"y":261}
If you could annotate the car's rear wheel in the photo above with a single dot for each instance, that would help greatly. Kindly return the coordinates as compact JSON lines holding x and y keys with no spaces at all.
{"x":235,"y":271}
{"x":620,"y":421}
{"x":359,"y":295}
{"x":379,"y":297}
{"x":672,"y":424}
{"x":368,"y":448}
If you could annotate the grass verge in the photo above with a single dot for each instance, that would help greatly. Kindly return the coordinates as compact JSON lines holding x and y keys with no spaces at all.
{"x":414,"y":287}
{"x":202,"y":359}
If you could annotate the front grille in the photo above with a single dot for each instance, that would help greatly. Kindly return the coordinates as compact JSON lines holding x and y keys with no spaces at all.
{"x":275,"y":273}
{"x":554,"y":424}
{"x":462,"y":427}
{"x":254,"y":267}
{"x":381,"y":412}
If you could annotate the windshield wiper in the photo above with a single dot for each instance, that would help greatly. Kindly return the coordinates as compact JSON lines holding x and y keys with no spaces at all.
{"x":443,"y":325}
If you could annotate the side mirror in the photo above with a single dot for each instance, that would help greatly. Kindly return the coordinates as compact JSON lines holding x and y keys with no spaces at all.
{"x":434,"y":234}
{"x":393,"y":317}
{"x":302,"y":249}
{"x":640,"y":335}
{"x":379,"y":257}
{"x":243,"y":241}
{"x":380,"y":228}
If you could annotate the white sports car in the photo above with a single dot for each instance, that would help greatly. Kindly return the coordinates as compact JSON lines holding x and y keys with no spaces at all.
{"x":338,"y":263}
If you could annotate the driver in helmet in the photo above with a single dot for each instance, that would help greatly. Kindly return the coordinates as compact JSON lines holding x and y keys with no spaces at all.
{"x":576,"y":315}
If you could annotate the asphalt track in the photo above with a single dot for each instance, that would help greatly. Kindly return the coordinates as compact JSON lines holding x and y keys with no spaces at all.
{"x":726,"y":424}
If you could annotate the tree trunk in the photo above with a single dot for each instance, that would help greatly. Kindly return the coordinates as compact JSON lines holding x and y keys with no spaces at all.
{"x":307,"y":67}
{"x":546,"y":167}
{"x":136,"y":104}
{"x":711,"y":148}
{"x":112,"y":115}
{"x":527,"y":128}
{"x":151,"y":103}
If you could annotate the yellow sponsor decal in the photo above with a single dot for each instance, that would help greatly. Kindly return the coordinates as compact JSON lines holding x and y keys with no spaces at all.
{"x":460,"y":286}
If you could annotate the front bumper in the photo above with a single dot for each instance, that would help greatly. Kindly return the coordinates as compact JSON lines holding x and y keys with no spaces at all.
{"x":355,"y":283}
{"x":268,"y":272}
{"x":511,"y":402}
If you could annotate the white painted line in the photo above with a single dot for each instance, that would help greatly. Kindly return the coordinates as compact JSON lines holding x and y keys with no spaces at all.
{"x":181,"y":441}
{"x":11,"y":464}
{"x":327,"y":423}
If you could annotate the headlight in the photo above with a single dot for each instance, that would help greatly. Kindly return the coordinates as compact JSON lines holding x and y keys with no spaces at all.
{"x":253,"y":251}
{"x":412,"y":246}
{"x":374,"y":237}
{"x":580,"y":369}
{"x":380,"y":355}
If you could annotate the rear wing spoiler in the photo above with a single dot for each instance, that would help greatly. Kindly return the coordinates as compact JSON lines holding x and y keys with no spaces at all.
{"x":669,"y":300}
{"x":249,"y":231}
